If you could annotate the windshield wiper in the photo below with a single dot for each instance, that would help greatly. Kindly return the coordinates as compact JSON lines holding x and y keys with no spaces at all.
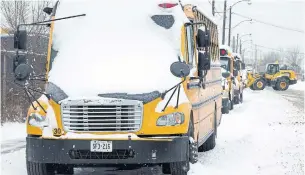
{"x":46,"y":22}
{"x":25,"y":87}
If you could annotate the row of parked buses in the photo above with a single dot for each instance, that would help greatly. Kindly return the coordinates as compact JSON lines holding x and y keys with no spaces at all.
{"x":234,"y":78}
{"x":166,"y":122}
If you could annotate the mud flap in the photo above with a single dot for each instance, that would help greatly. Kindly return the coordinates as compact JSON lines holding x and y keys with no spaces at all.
{"x":193,"y":151}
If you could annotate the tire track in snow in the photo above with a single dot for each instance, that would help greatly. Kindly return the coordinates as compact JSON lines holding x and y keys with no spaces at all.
{"x":296,"y":97}
{"x":12,"y":146}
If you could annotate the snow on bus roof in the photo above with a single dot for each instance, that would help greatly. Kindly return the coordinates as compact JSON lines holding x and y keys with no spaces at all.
{"x":236,"y":54}
{"x":118,"y":48}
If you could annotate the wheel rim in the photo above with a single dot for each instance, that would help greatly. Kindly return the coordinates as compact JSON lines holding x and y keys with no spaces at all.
{"x":283,"y":85}
{"x":259,"y":84}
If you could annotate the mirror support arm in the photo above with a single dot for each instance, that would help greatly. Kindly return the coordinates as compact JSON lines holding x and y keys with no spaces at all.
{"x":177,"y":86}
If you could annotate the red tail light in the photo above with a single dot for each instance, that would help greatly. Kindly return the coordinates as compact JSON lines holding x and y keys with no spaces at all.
{"x":167,"y":5}
{"x":223,"y":52}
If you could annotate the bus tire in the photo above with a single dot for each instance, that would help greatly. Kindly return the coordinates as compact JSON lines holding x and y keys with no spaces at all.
{"x":181,"y":168}
{"x":241,"y":98}
{"x":39,"y":168}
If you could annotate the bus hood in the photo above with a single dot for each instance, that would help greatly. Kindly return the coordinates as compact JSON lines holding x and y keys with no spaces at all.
{"x":121,"y":51}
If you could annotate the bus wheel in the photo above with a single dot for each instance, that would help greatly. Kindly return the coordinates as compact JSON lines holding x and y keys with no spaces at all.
{"x":241,"y":98}
{"x":39,"y":168}
{"x":181,"y":168}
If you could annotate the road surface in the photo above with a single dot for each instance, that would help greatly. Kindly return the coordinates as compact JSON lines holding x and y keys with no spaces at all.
{"x":264,"y":135}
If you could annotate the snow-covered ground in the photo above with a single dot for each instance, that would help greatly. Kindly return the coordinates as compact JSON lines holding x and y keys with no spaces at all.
{"x":262,"y":136}
{"x":12,"y":131}
{"x":299,"y":86}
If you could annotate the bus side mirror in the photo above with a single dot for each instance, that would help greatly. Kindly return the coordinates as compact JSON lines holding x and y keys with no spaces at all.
{"x":203,"y":38}
{"x":180,"y":69}
{"x":48,"y":10}
{"x":20,"y":67}
{"x":204,"y":62}
{"x":20,"y":39}
{"x":226,"y":74}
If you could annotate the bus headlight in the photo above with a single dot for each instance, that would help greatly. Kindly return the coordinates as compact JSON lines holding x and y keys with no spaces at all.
{"x":37,"y":120}
{"x":173,"y":119}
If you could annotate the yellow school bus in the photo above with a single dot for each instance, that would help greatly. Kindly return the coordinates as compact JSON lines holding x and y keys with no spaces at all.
{"x":227,"y":62}
{"x":120,"y":129}
{"x":238,"y":74}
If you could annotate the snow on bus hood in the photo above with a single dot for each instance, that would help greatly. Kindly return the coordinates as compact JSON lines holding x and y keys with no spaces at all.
{"x":116,"y":47}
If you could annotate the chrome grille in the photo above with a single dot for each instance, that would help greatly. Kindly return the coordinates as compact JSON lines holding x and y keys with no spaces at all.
{"x":102,"y":115}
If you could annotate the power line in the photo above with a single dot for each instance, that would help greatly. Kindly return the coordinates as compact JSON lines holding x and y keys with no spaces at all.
{"x":278,"y":50}
{"x":266,"y":23}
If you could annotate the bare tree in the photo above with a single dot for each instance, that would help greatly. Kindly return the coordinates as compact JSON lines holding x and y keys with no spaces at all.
{"x":294,"y":58}
{"x":21,"y":12}
{"x":271,"y":57}
{"x":15,"y":102}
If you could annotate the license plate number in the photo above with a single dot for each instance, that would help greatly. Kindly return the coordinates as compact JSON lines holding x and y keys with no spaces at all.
{"x":101,"y":146}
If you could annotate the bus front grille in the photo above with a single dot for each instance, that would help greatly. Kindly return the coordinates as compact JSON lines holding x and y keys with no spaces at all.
{"x":93,"y":116}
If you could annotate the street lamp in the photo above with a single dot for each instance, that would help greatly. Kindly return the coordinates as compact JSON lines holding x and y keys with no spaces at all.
{"x":230,"y":20}
{"x":242,"y":22}
{"x":239,"y":38}
{"x":245,"y":41}
{"x":241,"y":43}
{"x":248,"y":34}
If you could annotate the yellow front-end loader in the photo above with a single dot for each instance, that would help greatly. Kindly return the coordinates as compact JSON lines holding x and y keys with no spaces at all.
{"x":278,"y":78}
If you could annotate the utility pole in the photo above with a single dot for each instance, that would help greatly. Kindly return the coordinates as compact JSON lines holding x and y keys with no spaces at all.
{"x":240,"y":47}
{"x":230,"y":14}
{"x":255,"y":59}
{"x":213,"y":7}
{"x":236,"y":48}
{"x":233,"y":43}
{"x":224,"y":22}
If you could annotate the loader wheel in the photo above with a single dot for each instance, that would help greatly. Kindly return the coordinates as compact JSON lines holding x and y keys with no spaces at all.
{"x":282,"y":84}
{"x":259,"y":84}
{"x":251,"y":87}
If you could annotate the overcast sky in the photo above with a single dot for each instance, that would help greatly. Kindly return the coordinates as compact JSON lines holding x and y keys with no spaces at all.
{"x":287,"y":13}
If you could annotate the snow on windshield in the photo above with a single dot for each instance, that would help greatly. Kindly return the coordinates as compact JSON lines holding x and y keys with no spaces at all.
{"x":116,"y":47}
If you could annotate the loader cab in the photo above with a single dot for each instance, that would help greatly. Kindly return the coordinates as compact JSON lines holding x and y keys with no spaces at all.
{"x":272,"y":69}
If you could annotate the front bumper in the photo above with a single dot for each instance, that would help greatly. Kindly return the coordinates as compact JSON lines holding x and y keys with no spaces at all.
{"x":77,"y":152}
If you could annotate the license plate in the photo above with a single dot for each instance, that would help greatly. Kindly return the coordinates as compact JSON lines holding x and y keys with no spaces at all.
{"x":101,"y":146}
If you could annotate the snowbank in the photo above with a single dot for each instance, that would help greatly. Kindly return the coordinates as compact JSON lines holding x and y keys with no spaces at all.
{"x":13,"y":163}
{"x":299,"y":86}
{"x":120,"y":50}
{"x":12,"y":131}
{"x":257,"y":139}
